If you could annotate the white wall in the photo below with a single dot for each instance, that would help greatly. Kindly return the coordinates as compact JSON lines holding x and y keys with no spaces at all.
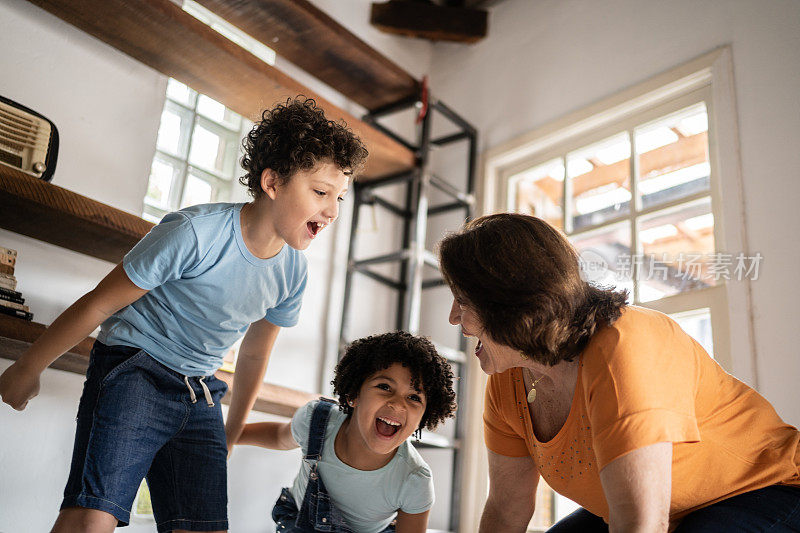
{"x":546,"y":58}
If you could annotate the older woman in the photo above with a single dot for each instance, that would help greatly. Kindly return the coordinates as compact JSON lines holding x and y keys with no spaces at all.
{"x":613,"y":405}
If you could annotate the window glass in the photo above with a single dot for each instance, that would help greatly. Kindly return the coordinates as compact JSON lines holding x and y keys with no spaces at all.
{"x":599,"y":181}
{"x":198,"y":145}
{"x":677,"y":248}
{"x":540,"y":192}
{"x":697,"y":323}
{"x":673,"y":157}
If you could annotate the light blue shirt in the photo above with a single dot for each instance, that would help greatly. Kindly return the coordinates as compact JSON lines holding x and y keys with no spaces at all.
{"x":368,"y":499}
{"x":205,"y":289}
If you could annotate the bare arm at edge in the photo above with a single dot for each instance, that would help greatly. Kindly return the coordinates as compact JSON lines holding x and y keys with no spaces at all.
{"x":512,"y":494}
{"x":638,"y":487}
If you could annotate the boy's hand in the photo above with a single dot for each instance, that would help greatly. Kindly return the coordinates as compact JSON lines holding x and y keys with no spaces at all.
{"x":18,"y":385}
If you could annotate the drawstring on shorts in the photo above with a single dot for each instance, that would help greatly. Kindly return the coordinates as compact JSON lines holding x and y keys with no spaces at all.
{"x":206,"y":392}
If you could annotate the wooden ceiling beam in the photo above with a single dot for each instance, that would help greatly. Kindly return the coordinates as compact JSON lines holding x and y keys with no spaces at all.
{"x":163,"y":36}
{"x":315,"y":42}
{"x":430,"y":21}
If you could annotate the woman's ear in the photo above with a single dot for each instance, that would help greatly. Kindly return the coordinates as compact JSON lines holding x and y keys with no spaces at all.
{"x":270,"y":182}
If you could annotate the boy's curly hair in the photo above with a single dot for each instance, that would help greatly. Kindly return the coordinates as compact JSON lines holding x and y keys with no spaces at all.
{"x":296,"y":136}
{"x":369,"y":355}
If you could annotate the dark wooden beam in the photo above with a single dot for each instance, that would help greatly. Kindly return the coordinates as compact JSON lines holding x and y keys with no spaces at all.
{"x":16,"y":335}
{"x":50,"y":213}
{"x":163,"y":36}
{"x":315,"y":42}
{"x":430,"y":21}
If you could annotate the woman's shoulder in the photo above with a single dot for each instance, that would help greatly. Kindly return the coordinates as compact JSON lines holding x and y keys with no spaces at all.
{"x":638,"y":334}
{"x":635,"y":324}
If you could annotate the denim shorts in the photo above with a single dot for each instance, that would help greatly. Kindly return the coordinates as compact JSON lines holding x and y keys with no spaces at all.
{"x":138,"y":418}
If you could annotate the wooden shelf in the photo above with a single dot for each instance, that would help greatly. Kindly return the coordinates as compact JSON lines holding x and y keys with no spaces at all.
{"x":163,"y":36}
{"x":315,"y":42}
{"x":17,"y":334}
{"x":50,"y":213}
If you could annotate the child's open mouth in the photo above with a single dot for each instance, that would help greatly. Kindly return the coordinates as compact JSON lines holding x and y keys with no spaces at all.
{"x":386,"y":427}
{"x":314,"y":228}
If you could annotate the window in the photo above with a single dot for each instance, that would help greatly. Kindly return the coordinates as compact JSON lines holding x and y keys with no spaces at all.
{"x":636,"y":183}
{"x":634,"y":198}
{"x":637,"y":205}
{"x":198,"y":147}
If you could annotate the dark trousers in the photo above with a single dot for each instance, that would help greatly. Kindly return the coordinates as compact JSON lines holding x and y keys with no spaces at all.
{"x":775,"y":509}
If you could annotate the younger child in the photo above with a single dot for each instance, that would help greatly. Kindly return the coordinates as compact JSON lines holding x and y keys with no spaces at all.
{"x":359,"y":472}
{"x":169,"y":312}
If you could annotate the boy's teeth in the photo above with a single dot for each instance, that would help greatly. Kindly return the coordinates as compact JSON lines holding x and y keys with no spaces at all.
{"x":387,"y":421}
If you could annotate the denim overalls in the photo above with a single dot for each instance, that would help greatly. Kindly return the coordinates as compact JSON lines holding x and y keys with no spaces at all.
{"x":317,"y":513}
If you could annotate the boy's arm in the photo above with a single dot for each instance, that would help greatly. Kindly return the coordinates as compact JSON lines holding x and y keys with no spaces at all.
{"x":273,"y":435}
{"x":250,"y":367}
{"x":20,"y":382}
{"x":412,"y":523}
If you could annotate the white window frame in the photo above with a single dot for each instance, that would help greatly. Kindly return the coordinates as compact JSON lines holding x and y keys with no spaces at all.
{"x":709,"y":77}
{"x":222,"y":187}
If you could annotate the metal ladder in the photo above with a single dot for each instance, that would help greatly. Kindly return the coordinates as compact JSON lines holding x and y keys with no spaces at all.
{"x":412,"y":257}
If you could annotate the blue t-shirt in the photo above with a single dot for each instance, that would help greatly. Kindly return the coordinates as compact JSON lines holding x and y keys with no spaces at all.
{"x":368,"y":499}
{"x":205,"y":289}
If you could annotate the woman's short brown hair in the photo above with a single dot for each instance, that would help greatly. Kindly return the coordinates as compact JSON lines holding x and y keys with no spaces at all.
{"x":522,"y":277}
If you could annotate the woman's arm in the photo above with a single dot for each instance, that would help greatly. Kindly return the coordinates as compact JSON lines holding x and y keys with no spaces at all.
{"x":273,"y":435}
{"x":638,"y":487}
{"x":412,"y":523}
{"x":20,"y":382}
{"x":512,"y":494}
{"x":250,"y":367}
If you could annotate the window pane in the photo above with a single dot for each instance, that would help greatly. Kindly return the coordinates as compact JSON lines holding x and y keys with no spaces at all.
{"x":539,"y":192}
{"x":213,"y":150}
{"x":173,"y":132}
{"x":197,"y":191}
{"x":599,"y":181}
{"x":678,"y":251}
{"x":162,"y":178}
{"x":673,"y":156}
{"x":605,"y":256}
{"x":180,"y":93}
{"x":218,"y":113}
{"x":155,"y":218}
{"x":697,"y":324}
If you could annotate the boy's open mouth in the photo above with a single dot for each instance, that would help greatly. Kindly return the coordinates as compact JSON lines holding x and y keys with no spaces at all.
{"x":314,"y":228}
{"x":386,"y":427}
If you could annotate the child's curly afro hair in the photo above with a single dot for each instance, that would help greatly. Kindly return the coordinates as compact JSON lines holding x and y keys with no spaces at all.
{"x":369,"y":355}
{"x":296,"y":136}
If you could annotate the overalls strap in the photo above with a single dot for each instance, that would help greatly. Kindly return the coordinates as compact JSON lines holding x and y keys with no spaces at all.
{"x":316,"y":431}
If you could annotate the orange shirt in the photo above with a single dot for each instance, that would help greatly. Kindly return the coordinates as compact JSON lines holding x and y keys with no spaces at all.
{"x":642,"y":381}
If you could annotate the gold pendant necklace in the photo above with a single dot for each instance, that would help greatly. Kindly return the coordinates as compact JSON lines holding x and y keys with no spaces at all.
{"x":532,"y":392}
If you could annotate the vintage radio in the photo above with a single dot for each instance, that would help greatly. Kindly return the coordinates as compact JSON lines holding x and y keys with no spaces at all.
{"x":28,"y":141}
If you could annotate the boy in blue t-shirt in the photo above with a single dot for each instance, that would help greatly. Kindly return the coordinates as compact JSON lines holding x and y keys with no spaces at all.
{"x":197,"y":282}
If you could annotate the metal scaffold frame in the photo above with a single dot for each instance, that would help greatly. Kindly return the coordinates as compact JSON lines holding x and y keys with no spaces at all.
{"x":412,"y":256}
